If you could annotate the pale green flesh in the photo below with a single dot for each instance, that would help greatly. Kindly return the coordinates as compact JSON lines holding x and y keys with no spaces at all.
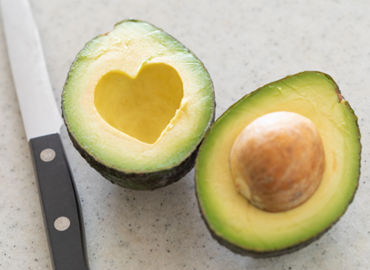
{"x":230,"y":216}
{"x":131,"y":45}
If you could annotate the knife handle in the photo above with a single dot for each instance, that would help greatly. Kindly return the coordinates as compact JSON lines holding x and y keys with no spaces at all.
{"x":60,"y":203}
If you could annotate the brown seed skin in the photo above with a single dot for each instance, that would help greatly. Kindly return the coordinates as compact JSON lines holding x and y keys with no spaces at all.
{"x":277,"y":161}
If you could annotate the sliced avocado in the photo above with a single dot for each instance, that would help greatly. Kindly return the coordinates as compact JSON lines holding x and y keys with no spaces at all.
{"x":237,"y":223}
{"x":137,"y":104}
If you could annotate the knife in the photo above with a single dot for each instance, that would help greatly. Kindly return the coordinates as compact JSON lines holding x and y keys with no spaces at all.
{"x":42,"y":123}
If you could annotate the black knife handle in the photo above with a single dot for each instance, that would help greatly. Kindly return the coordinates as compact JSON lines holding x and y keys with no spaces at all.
{"x":60,"y":203}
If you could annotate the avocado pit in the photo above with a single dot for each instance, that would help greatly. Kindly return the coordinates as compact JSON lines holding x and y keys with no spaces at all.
{"x":277,"y":161}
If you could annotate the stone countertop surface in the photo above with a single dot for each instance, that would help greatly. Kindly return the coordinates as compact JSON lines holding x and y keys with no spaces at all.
{"x":244,"y":45}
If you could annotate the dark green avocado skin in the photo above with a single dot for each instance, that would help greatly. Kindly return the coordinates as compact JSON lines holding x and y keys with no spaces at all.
{"x":274,"y":253}
{"x":139,"y":181}
{"x":263,"y":254}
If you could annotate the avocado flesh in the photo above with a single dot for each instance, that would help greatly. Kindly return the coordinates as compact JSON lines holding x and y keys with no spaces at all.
{"x":147,"y":102}
{"x":237,"y":224}
{"x":137,"y":104}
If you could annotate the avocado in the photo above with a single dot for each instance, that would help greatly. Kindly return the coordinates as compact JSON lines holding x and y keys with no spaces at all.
{"x":137,"y":104}
{"x":261,"y":139}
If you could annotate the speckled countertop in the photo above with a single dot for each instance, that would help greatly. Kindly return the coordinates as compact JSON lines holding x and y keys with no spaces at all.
{"x":244,"y":44}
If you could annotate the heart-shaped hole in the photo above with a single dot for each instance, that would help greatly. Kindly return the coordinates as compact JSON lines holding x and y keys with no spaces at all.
{"x":142,"y":106}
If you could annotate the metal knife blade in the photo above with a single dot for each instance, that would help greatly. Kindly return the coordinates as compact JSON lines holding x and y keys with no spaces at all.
{"x":39,"y":111}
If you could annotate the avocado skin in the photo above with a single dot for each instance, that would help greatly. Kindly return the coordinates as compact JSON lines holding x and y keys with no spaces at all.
{"x":264,"y":254}
{"x":274,"y":253}
{"x":139,"y":181}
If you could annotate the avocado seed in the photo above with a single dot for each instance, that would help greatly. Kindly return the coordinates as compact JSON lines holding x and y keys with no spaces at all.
{"x":278,"y":160}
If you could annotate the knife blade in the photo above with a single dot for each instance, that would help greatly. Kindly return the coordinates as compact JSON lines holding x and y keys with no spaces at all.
{"x":42,"y":123}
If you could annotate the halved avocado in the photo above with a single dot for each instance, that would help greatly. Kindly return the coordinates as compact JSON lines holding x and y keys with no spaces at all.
{"x":245,"y":228}
{"x":137,"y":104}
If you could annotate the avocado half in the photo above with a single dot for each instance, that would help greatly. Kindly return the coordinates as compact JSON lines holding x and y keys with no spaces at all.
{"x":245,"y":229}
{"x":137,"y":104}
